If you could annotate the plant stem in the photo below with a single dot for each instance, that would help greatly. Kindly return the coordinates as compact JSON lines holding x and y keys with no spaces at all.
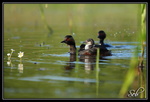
{"x":44,"y":20}
{"x":97,"y":71}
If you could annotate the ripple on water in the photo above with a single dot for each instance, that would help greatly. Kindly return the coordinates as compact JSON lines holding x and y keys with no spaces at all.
{"x":60,"y":78}
{"x":58,"y":55}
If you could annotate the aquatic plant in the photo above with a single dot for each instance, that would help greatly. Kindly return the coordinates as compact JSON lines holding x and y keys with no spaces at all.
{"x":44,"y":20}
{"x":136,"y":63}
{"x":20,"y":55}
{"x":97,"y":72}
{"x":143,"y":44}
{"x":76,"y":64}
{"x":10,"y":54}
{"x":97,"y":59}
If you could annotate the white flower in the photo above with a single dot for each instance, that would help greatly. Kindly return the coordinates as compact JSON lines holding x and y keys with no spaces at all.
{"x":20,"y":54}
{"x":8,"y":54}
{"x":12,"y":50}
{"x":144,"y":43}
{"x":8,"y":63}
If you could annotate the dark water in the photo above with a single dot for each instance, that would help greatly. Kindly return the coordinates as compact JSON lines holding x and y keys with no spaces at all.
{"x":47,"y":71}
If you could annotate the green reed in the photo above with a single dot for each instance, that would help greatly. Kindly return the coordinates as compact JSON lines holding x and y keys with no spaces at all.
{"x":77,"y":64}
{"x":97,"y":59}
{"x":130,"y":76}
{"x":77,"y":60}
{"x":143,"y":44}
{"x":136,"y":63}
{"x":97,"y":71}
{"x":70,"y":19}
{"x":44,"y":20}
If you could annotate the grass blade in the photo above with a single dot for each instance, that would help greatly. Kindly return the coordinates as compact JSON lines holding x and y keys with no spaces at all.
{"x":44,"y":20}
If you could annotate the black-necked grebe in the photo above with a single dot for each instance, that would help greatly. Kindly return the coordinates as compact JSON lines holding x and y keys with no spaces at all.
{"x":85,"y":49}
{"x":102,"y":36}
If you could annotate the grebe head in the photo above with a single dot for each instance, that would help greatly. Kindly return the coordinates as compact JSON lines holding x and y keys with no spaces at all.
{"x":69,"y":40}
{"x":101,"y":34}
{"x":89,"y":43}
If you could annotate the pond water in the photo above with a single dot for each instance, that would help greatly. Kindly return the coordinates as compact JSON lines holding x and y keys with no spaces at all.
{"x":48,"y":71}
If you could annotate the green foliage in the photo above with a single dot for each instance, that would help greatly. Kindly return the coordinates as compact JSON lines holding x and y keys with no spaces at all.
{"x":135,"y":63}
{"x":130,"y":76}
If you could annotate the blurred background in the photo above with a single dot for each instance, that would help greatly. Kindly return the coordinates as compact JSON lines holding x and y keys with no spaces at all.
{"x":117,"y":20}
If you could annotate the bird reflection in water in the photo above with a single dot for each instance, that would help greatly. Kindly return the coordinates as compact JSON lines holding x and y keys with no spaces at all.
{"x":70,"y":64}
{"x":89,"y":62}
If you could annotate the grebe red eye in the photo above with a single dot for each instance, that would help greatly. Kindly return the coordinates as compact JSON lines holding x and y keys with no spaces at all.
{"x":67,"y":39}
